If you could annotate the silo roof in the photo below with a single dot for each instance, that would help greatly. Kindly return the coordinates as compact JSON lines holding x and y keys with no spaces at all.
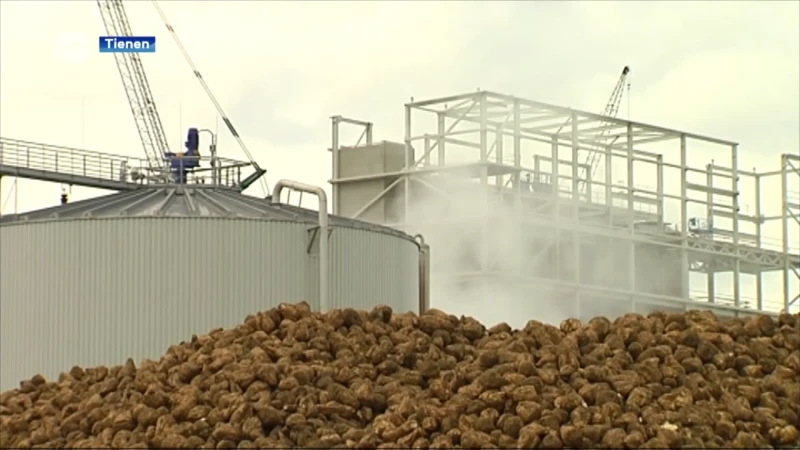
{"x":183,"y":201}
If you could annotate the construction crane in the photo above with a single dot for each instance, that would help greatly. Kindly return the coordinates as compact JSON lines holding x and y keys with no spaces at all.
{"x":611,"y":110}
{"x":140,"y":98}
{"x":160,"y":163}
{"x":146,"y":115}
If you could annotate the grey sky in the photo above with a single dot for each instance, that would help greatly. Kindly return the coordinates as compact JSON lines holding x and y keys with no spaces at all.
{"x":280,"y":69}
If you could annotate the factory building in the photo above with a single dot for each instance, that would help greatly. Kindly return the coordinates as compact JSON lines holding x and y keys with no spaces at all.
{"x":530,"y":213}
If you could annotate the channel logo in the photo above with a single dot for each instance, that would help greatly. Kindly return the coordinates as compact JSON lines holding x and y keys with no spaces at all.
{"x":127,"y":44}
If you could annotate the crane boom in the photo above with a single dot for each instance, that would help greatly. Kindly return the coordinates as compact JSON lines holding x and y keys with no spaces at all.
{"x":140,"y":98}
{"x":611,"y":110}
{"x":259,"y":172}
{"x":612,"y":107}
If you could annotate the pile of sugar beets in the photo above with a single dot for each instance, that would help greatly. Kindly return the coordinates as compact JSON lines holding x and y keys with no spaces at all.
{"x":289,"y":378}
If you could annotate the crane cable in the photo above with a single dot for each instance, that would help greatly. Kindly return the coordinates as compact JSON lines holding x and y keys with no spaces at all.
{"x":264,"y":184}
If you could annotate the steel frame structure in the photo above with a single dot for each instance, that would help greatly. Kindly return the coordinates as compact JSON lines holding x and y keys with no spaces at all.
{"x":789,"y":217}
{"x":486,"y":123}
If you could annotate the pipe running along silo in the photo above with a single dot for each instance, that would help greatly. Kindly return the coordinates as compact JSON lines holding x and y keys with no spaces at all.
{"x":128,"y":274}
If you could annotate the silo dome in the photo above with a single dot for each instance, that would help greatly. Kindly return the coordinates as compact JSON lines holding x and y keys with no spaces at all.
{"x":128,"y":274}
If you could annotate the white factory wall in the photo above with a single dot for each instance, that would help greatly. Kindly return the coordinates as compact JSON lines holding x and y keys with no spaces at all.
{"x":97,"y":291}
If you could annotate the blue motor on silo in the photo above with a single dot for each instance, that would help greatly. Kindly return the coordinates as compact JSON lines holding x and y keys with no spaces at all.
{"x":183,"y":162}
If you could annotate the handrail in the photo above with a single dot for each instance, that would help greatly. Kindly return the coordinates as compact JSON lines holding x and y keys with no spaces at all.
{"x":60,"y":163}
{"x":598,"y":197}
{"x":745,"y":302}
{"x":61,"y":148}
{"x":64,"y":160}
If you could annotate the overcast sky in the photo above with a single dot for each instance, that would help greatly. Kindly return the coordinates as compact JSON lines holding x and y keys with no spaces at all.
{"x":280,"y":70}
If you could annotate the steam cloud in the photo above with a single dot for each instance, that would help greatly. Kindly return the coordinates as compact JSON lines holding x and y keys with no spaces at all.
{"x":451,"y":212}
{"x":451,"y":217}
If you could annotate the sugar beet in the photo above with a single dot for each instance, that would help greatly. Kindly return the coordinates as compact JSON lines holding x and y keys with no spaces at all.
{"x":290,"y":377}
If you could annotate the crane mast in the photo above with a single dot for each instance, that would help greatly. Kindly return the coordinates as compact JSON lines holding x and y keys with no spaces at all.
{"x":611,"y":110}
{"x":140,"y":98}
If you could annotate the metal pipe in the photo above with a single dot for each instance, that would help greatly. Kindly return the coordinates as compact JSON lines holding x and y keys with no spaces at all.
{"x":424,"y":274}
{"x":407,"y":162}
{"x":335,"y":160}
{"x":323,"y":231}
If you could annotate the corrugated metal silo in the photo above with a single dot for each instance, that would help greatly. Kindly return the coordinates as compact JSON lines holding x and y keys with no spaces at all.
{"x":128,"y":274}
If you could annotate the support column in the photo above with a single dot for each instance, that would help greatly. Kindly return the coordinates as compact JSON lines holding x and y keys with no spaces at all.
{"x":498,"y":180}
{"x":737,"y":298}
{"x":575,"y":200}
{"x":484,"y":182}
{"x":587,"y":182}
{"x":576,"y":253}
{"x":440,"y":130}
{"x":711,"y":266}
{"x":426,"y":160}
{"x":484,"y":149}
{"x":575,"y":164}
{"x":685,"y":278}
{"x":660,"y":190}
{"x":759,"y":275}
{"x":609,"y":181}
{"x":517,"y":156}
{"x":556,"y":199}
{"x":785,"y":228}
{"x":554,"y":175}
{"x":631,"y":243}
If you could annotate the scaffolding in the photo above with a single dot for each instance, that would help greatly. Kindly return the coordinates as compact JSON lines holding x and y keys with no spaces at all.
{"x":603,"y":242}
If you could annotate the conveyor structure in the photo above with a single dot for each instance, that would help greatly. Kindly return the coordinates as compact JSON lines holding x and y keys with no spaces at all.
{"x":77,"y":167}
